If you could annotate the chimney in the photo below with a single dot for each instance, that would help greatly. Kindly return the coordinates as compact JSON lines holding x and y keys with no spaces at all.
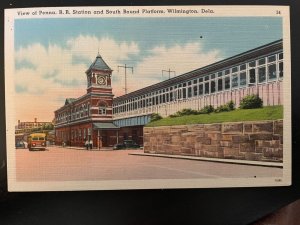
{"x":35,"y":119}
{"x":19,"y":121}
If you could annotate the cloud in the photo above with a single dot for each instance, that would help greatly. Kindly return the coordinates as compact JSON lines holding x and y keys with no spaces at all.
{"x":56,"y":72}
{"x":178,"y":58}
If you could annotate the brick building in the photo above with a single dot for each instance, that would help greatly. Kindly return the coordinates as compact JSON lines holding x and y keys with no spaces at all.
{"x":89,"y":117}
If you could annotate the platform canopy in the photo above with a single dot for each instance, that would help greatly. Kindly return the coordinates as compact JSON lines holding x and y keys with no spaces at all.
{"x":105,"y":126}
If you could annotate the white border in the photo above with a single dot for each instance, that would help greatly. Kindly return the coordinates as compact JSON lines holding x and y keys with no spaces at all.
{"x":231,"y":11}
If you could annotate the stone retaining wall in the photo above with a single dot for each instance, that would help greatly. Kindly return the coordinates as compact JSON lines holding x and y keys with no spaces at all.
{"x":256,"y":140}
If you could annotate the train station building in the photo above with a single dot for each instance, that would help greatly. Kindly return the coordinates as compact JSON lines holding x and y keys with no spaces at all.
{"x":106,"y":120}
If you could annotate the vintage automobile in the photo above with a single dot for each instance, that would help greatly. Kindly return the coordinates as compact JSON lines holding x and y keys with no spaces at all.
{"x":126,"y":145}
{"x":20,"y":144}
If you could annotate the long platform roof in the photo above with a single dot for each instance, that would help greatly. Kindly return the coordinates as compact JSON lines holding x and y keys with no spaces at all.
{"x":240,"y":58}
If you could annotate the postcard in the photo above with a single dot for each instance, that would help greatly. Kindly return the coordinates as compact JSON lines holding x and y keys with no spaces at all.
{"x":154,"y":97}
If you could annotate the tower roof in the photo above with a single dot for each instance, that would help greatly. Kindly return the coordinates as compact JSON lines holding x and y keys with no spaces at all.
{"x":99,"y":64}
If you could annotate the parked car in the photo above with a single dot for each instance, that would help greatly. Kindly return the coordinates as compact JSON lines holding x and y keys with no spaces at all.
{"x":20,"y":144}
{"x":126,"y":144}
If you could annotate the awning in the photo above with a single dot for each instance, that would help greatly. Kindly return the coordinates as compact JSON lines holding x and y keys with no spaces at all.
{"x":105,"y":126}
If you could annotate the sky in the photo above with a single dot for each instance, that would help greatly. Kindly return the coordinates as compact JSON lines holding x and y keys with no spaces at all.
{"x":52,"y":55}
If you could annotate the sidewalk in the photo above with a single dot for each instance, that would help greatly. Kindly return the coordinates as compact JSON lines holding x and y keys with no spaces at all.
{"x":217,"y":160}
{"x":84,"y":148}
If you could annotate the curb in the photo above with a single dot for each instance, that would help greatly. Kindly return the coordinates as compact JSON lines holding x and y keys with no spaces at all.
{"x":229,"y":161}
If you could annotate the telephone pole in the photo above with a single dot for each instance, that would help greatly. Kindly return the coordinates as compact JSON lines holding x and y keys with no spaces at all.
{"x":125,"y":68}
{"x":169,"y":71}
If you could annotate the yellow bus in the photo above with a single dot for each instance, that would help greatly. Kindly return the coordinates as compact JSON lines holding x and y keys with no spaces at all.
{"x":36,"y":141}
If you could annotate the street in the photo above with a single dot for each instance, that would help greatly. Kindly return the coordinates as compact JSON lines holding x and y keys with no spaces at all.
{"x":65,"y":164}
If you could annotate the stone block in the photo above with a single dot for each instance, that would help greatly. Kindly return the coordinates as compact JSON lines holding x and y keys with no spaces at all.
{"x":200,"y":136}
{"x":176,"y":139}
{"x":148,"y":130}
{"x":190,"y":134}
{"x":196,"y":128}
{"x":211,"y":148}
{"x":213,"y":142}
{"x":240,"y":138}
{"x":186,"y":150}
{"x":179,"y":128}
{"x":226,"y":137}
{"x":210,"y":154}
{"x":230,"y":151}
{"x":248,"y":128}
{"x":226,"y":143}
{"x":215,"y":136}
{"x":212,"y":127}
{"x":274,"y":143}
{"x":253,"y":156}
{"x":259,"y":149}
{"x":247,"y":147}
{"x":198,"y":146}
{"x":263,"y":127}
{"x":273,"y":153}
{"x":188,"y":144}
{"x":261,"y":136}
{"x":278,"y":127}
{"x":232,"y":128}
{"x":205,"y":141}
{"x":147,"y":148}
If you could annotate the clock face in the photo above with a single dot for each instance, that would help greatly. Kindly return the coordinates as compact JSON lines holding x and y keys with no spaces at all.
{"x":101,"y":80}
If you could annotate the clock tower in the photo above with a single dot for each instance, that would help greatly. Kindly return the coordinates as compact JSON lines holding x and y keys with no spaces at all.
{"x":99,"y":76}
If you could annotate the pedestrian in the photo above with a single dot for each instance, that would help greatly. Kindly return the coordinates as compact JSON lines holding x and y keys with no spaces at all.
{"x":87,"y":144}
{"x":91,"y":144}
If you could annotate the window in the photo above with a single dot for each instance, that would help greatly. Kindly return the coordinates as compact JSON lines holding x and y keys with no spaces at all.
{"x":281,"y":69}
{"x":195,"y":90}
{"x":184,"y":93}
{"x":200,"y":89}
{"x":252,"y":78}
{"x":261,"y":74}
{"x":206,"y":78}
{"x":194,"y":81}
{"x":212,"y":86}
{"x":220,"y":84}
{"x":227,"y":72}
{"x":220,"y":74}
{"x":234,"y":81}
{"x":252,"y":64}
{"x":190,"y":83}
{"x":280,"y":56}
{"x":234,"y":69}
{"x":207,"y":88}
{"x":179,"y":94}
{"x":243,"y":67}
{"x":272,"y":71}
{"x":212,"y":76}
{"x":189,"y":92}
{"x":227,"y":83}
{"x":243,"y":79}
{"x":272,"y":58}
{"x":261,"y":61}
{"x":102,"y":109}
{"x":201,"y":79}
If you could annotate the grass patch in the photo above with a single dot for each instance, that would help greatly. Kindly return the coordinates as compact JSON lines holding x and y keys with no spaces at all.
{"x":265,"y":113}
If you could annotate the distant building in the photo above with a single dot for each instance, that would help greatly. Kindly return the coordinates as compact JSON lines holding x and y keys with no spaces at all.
{"x":105,"y":120}
{"x":22,"y":129}
{"x":28,"y":125}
